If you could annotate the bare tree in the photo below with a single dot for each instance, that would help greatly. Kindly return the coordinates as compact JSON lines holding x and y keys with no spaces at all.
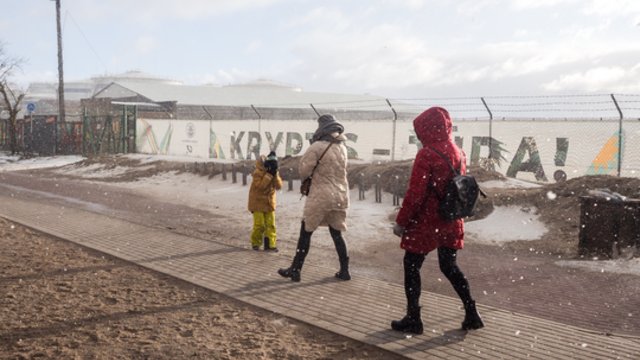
{"x":11,"y":98}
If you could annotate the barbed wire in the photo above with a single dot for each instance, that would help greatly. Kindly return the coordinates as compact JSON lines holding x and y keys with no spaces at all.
{"x":560,"y":106}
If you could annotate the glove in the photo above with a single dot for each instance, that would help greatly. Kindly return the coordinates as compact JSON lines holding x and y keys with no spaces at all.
{"x":398,"y":230}
{"x":271,"y":166}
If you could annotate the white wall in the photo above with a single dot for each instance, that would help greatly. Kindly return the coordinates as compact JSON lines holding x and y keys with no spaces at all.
{"x":530,"y":150}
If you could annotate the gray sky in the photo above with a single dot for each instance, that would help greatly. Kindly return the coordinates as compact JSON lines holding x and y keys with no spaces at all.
{"x":392,"y":48}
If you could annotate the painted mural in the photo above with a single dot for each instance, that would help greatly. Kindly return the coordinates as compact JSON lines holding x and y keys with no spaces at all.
{"x":606,"y":162}
{"x":538,"y":151}
{"x":147,"y":141}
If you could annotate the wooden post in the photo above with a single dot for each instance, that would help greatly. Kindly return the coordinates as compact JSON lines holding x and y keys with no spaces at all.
{"x":378,"y":189}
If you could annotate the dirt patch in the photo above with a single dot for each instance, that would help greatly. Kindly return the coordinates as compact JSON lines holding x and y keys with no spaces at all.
{"x":558,"y":205}
{"x":62,"y":301}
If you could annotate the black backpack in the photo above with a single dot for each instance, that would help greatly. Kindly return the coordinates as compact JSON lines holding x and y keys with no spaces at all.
{"x":461,"y":194}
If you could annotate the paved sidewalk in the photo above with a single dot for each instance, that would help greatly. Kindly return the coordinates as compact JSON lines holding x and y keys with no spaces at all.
{"x":360,"y":309}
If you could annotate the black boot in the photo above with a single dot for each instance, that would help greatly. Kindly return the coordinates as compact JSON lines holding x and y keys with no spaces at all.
{"x":411,"y":323}
{"x":472,"y":320}
{"x":293,"y":271}
{"x":290,"y":272}
{"x":341,"y":249}
{"x":343,"y":274}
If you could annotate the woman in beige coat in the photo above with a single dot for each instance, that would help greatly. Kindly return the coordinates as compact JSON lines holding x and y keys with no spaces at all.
{"x":328,"y":198}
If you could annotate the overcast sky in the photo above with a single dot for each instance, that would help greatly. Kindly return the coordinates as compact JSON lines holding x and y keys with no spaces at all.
{"x":392,"y":48}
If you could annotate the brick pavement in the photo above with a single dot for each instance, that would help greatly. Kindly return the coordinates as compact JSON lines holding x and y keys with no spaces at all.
{"x":360,"y":309}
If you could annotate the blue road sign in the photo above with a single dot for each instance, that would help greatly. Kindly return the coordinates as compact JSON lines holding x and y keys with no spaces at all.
{"x":31,"y":107}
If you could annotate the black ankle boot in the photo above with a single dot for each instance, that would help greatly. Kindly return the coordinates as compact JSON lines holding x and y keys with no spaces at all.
{"x":294,"y":274}
{"x":343,"y":274}
{"x":472,"y":320}
{"x":411,"y":323}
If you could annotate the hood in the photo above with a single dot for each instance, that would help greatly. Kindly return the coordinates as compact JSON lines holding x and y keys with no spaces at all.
{"x":433,"y":125}
{"x":260,"y":162}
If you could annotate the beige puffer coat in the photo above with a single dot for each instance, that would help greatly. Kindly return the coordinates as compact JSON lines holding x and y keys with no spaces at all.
{"x":328,"y":198}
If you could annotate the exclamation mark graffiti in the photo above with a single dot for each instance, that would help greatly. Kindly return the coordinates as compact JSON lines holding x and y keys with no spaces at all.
{"x":562,"y":148}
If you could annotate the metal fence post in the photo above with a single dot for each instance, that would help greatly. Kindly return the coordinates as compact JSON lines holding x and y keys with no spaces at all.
{"x":244,"y":175}
{"x":290,"y":179}
{"x":361,"y":186}
{"x":234,"y":177}
{"x":314,"y":109}
{"x":394,"y":186}
{"x":224,"y":172}
{"x":490,"y":126}
{"x":393,"y":132}
{"x":615,"y":102}
{"x":378,"y":190}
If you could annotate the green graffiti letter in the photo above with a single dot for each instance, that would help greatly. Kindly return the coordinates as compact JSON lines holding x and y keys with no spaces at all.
{"x":235,"y":145}
{"x":253,"y":144}
{"x":495,"y":151}
{"x":527,"y":145}
{"x":290,"y":149}
{"x":562,"y":148}
{"x":273,"y":145}
{"x":351,"y":152}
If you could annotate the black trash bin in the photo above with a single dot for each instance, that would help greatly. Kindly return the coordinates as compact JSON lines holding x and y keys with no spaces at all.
{"x":608,"y":225}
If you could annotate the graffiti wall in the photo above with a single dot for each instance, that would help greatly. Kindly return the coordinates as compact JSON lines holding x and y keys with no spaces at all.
{"x":530,"y":150}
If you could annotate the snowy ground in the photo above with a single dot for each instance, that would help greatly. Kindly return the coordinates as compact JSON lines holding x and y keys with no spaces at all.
{"x":13,"y":163}
{"x":504,"y":224}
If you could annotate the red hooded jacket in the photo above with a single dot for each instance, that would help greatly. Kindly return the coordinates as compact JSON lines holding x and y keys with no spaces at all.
{"x":425,"y":230}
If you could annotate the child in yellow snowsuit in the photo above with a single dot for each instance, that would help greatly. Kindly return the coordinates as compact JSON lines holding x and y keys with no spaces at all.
{"x":262,"y":202}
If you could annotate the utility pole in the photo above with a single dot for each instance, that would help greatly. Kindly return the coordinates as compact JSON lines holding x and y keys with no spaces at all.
{"x":61,"y":112}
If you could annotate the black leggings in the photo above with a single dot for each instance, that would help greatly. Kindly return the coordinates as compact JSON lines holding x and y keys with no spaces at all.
{"x":304,"y":241}
{"x":413,"y":283}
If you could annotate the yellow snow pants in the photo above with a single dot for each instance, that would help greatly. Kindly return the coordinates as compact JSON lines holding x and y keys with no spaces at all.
{"x":264,"y":225}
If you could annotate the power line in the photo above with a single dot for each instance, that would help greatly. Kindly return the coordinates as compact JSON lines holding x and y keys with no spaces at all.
{"x":68,"y":13}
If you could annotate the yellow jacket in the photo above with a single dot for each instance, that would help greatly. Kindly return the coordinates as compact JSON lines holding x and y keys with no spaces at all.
{"x":262,"y":194}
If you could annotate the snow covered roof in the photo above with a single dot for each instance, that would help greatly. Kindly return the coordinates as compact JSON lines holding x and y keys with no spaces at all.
{"x":260,"y":94}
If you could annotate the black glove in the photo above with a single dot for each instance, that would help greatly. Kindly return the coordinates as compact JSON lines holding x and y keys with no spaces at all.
{"x":271,"y":166}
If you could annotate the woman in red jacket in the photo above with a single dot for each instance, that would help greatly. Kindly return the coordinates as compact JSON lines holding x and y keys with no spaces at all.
{"x":421,"y":227}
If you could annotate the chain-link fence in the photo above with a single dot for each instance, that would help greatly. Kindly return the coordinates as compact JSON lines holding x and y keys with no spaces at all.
{"x":549,"y":137}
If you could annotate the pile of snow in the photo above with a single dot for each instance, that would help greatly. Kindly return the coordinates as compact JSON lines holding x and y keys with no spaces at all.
{"x":146,"y":158}
{"x":99,"y":170}
{"x":8,"y":159}
{"x":507,"y":223}
{"x":14,"y":163}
